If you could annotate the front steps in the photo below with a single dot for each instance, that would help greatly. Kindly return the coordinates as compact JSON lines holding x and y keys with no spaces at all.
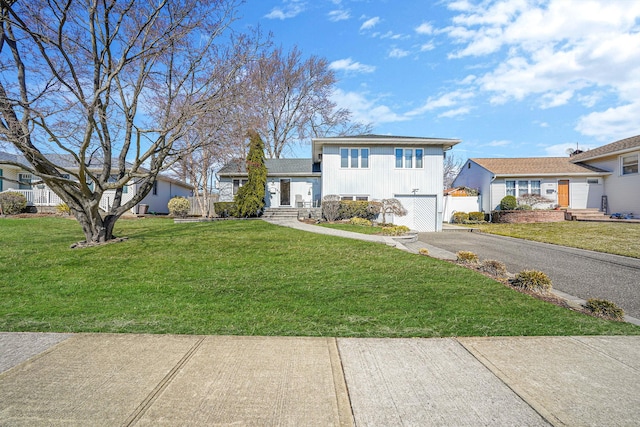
{"x":592,"y":214}
{"x":280,"y":213}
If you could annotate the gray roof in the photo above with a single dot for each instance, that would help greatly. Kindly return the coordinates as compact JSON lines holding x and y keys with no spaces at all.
{"x":275,"y":167}
{"x":618,"y":147}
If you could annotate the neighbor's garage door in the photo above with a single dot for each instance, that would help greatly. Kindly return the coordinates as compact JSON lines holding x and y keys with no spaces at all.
{"x":422,"y":213}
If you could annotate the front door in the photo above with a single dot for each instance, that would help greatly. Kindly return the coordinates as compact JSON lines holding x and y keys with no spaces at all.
{"x":285,"y":192}
{"x":563,"y":193}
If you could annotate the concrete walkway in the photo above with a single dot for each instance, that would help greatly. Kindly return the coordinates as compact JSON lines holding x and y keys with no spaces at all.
{"x":115,"y":380}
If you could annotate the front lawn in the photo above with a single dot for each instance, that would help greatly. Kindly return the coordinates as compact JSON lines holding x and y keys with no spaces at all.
{"x":254,"y":278}
{"x":610,"y":237}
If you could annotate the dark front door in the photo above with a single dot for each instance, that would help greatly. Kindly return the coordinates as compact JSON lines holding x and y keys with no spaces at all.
{"x":285,"y":192}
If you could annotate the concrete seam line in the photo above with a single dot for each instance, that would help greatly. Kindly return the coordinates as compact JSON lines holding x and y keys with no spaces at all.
{"x":522,"y":394}
{"x":346,"y":415}
{"x":162,"y":385}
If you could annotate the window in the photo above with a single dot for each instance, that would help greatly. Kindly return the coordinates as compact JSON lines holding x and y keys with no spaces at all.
{"x":408,"y":158}
{"x":523,"y":188}
{"x":630,"y":164}
{"x":0,"y":179}
{"x":155,"y":188}
{"x":511,"y":188}
{"x":354,"y":158}
{"x":362,"y":198}
{"x":237,"y":183}
{"x":593,"y":181}
{"x":25,"y":181}
{"x":535,"y":188}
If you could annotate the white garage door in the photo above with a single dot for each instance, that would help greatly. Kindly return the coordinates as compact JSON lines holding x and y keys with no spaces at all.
{"x":422,"y":213}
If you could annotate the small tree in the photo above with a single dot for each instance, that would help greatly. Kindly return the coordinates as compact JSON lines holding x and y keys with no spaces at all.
{"x":331,"y":207}
{"x":179,"y":206}
{"x":392,"y":206}
{"x":250,"y":197}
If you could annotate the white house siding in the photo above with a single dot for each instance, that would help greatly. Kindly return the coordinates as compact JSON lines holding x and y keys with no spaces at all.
{"x":166,"y":191}
{"x":475,"y":176}
{"x":622,"y":191}
{"x":307,"y":188}
{"x":381,"y":180}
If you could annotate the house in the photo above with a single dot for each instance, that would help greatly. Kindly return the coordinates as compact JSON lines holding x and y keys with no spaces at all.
{"x":622,"y":184}
{"x":15,"y":178}
{"x":290,"y":182}
{"x":363,"y":167}
{"x":604,"y":178}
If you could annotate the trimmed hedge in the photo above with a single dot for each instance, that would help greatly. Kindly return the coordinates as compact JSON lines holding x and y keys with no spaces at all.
{"x":360,"y":209}
{"x":225,"y":209}
{"x":12,"y":202}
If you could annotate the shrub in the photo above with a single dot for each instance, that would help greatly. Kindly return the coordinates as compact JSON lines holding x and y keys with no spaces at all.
{"x":460,"y":217}
{"x":476,"y":216}
{"x":12,"y":202}
{"x":224,"y":209}
{"x":63,"y":209}
{"x":361,"y":209}
{"x":360,"y":221}
{"x":423,"y":251}
{"x":331,"y":207}
{"x":466,"y":257}
{"x":394,"y":230}
{"x":250,"y":197}
{"x":532,"y":280}
{"x":494,"y":268}
{"x":508,"y":203}
{"x":523,"y":208}
{"x":179,"y":206}
{"x":604,"y":308}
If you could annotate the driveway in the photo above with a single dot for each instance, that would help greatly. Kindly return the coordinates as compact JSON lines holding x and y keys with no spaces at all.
{"x":581,"y":273}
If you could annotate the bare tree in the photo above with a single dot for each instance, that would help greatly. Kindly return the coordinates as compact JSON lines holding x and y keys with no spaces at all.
{"x":290,"y":100}
{"x":452,"y":166}
{"x":110,"y":84}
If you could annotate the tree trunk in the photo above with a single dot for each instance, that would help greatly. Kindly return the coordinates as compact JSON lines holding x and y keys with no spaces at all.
{"x":96,"y":229}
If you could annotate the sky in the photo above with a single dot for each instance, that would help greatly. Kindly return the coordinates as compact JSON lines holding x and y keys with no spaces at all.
{"x":510,"y":78}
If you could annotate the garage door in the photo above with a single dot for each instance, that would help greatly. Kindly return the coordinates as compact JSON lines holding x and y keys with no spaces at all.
{"x":422,"y":213}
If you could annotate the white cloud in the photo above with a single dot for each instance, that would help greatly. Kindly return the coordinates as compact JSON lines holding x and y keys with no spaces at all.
{"x":455,"y":112}
{"x":612,"y":124}
{"x":370,"y":23}
{"x":562,"y":150}
{"x":365,"y":110}
{"x":425,"y":28}
{"x":349,"y":65}
{"x":398,"y":53}
{"x":447,"y":100}
{"x":427,"y":47}
{"x":291,"y":9}
{"x":339,"y":15}
{"x":501,"y":143}
{"x":560,"y":51}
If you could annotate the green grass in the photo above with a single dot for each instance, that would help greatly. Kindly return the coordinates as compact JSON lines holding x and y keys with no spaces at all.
{"x":608,"y":237}
{"x":254,"y":278}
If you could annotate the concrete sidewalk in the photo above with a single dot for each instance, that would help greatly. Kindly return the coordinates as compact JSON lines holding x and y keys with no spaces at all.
{"x":111,"y":379}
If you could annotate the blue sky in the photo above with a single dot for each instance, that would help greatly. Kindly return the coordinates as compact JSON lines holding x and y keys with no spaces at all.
{"x":511,"y":78}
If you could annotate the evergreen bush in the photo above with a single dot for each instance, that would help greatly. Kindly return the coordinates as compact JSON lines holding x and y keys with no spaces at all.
{"x":179,"y":207}
{"x":224,"y":209}
{"x":508,"y":203}
{"x":532,"y":280}
{"x":467,"y":257}
{"x":476,"y":216}
{"x":604,"y":308}
{"x":460,"y":217}
{"x":12,"y":202}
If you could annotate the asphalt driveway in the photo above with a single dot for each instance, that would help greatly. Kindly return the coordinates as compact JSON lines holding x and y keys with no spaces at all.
{"x":581,"y":273}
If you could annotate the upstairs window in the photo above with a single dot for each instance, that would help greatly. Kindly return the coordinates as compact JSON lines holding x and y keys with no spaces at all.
{"x":630,"y":164}
{"x":354,"y":158}
{"x":409,"y":158}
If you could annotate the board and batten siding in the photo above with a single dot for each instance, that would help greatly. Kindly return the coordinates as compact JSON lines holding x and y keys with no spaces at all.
{"x":381,"y":179}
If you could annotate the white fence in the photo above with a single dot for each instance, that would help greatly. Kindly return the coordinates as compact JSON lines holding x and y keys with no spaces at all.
{"x":46,"y":197}
{"x":454,"y":204}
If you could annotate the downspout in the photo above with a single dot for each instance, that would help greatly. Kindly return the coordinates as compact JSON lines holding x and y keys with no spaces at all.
{"x":493,"y":178}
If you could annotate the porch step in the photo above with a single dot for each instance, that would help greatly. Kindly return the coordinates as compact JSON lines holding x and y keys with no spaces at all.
{"x":591,"y":214}
{"x":280,"y":213}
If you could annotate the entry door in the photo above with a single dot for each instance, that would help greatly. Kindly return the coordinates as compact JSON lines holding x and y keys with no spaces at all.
{"x":285,"y":192}
{"x":563,"y":193}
